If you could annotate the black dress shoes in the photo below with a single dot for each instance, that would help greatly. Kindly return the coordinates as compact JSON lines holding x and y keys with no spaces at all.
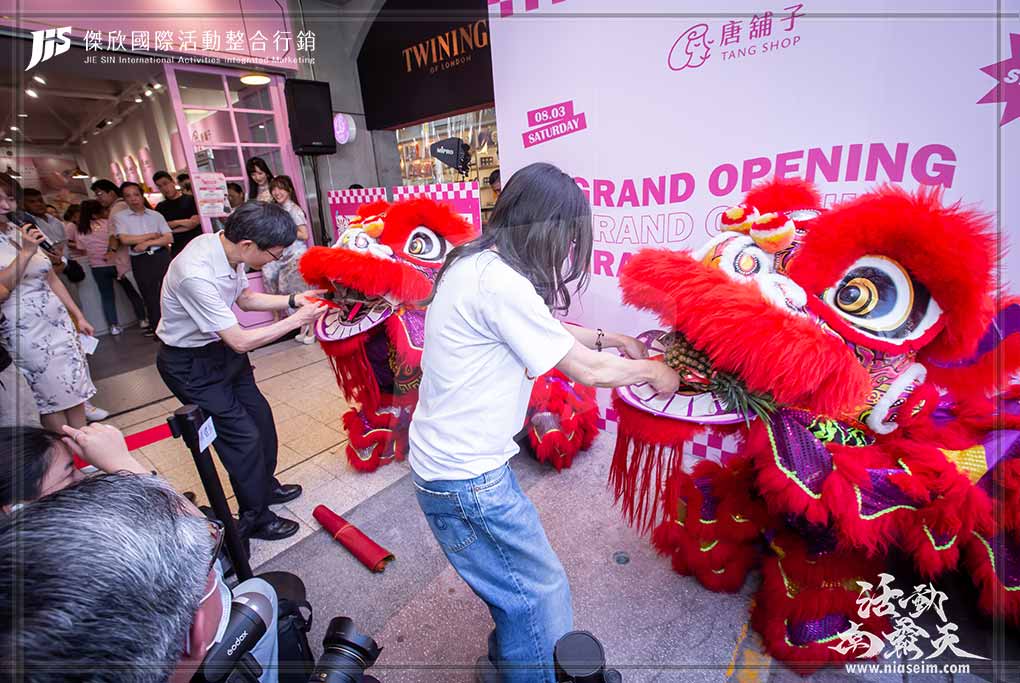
{"x":284,"y":493}
{"x":275,"y":529}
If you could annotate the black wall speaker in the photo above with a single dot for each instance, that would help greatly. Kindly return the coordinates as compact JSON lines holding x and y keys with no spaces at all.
{"x":310,"y":110}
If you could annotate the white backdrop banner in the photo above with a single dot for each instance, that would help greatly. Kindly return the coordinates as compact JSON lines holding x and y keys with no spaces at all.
{"x":667,"y":111}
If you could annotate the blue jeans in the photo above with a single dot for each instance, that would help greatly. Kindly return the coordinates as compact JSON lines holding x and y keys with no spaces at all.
{"x":105,"y":276}
{"x":491,"y":534}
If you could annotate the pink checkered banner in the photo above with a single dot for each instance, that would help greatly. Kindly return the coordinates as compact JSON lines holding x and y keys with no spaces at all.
{"x":507,"y":8}
{"x":344,"y":204}
{"x":463,"y":198}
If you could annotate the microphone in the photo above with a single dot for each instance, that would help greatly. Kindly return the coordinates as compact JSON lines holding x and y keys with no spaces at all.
{"x":250,"y":616}
{"x":19,"y":218}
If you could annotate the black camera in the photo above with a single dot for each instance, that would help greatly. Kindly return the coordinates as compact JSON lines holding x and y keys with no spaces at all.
{"x":347,"y":653}
{"x":579,"y":658}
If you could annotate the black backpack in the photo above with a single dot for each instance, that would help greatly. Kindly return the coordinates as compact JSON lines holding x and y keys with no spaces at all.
{"x":296,"y":659}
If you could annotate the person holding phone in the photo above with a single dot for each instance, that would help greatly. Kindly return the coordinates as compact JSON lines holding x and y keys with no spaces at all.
{"x":39,"y":322}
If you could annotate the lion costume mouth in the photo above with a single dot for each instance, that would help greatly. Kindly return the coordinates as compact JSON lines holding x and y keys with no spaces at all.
{"x":352,"y":312}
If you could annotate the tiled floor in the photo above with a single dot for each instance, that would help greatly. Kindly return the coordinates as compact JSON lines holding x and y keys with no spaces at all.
{"x":301,"y":388}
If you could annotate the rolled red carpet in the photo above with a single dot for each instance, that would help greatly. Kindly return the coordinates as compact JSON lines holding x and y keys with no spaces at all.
{"x":368,"y":552}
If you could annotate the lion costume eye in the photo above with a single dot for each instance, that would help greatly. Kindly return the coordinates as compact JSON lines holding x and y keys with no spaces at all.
{"x":425,"y":245}
{"x":879,"y":297}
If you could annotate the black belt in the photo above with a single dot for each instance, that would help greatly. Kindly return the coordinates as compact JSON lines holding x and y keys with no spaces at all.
{"x":150,"y":252}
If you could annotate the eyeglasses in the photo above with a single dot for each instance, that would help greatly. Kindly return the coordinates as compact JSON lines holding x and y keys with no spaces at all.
{"x":216,"y":531}
{"x":276,"y":257}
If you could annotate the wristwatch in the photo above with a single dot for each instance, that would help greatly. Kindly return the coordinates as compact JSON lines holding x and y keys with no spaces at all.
{"x":291,"y":302}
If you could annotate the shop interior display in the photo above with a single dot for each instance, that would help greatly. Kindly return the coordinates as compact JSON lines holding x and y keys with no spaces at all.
{"x":382,"y":266}
{"x":839,"y":401}
{"x":477,"y":129}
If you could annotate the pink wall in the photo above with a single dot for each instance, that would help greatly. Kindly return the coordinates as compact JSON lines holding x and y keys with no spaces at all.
{"x":199,"y":16}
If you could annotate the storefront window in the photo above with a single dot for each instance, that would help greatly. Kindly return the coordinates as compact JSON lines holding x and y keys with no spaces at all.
{"x":209,"y":127}
{"x":249,"y":96}
{"x":477,"y":129}
{"x":199,"y":89}
{"x":256,"y":127}
{"x":219,"y":160}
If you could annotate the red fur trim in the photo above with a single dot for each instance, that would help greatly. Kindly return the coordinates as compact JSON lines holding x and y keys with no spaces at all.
{"x":377,"y":441}
{"x":950,"y":249}
{"x":403,"y":217}
{"x":993,"y":598}
{"x":321,"y":266}
{"x":990,"y":374}
{"x":353,"y":372}
{"x":780,"y":194}
{"x":771,"y":350}
{"x":648,"y":453}
{"x":773,"y":609}
{"x":575,"y":408}
{"x":375,"y":208}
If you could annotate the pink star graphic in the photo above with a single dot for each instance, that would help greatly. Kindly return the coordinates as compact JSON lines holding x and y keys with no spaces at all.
{"x":1008,"y":88}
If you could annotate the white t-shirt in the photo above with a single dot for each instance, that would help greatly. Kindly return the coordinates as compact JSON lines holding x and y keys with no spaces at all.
{"x":488,"y":334}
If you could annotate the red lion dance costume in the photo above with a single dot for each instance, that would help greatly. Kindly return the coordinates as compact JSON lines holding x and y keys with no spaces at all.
{"x":384,"y":264}
{"x":839,"y":396}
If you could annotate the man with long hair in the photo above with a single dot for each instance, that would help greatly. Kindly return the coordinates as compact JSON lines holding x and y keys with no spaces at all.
{"x":489,"y":332}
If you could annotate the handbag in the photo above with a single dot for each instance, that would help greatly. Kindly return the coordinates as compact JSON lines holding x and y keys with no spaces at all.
{"x":73,"y":271}
{"x":296,"y":660}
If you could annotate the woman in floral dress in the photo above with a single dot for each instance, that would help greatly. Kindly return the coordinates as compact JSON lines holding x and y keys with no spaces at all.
{"x":39,"y":321}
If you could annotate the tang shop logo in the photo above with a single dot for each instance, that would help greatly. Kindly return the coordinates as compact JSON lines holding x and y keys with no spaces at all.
{"x":736,"y":39}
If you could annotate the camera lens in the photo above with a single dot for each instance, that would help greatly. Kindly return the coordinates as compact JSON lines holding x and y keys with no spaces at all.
{"x":579,"y":657}
{"x":347,"y":653}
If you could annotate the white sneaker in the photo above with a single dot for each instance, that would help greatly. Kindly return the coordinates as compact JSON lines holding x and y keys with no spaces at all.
{"x":309,"y":339}
{"x":115,"y":330}
{"x":143,"y":323}
{"x":94,"y":414}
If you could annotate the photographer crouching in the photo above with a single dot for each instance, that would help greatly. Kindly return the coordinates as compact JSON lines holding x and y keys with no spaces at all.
{"x":204,"y":354}
{"x":116,"y":579}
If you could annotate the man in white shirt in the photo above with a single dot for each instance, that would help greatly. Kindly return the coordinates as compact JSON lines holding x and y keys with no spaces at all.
{"x":149,"y":237}
{"x":204,"y":356}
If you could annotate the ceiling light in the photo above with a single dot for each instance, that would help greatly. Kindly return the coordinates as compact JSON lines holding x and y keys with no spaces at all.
{"x":8,"y":139}
{"x":254,"y":78}
{"x":15,"y":128}
{"x":148,"y":93}
{"x":157,"y":86}
{"x":78,"y":174}
{"x":109,"y":122}
{"x":138,"y":100}
{"x":95,"y":132}
{"x":31,"y":93}
{"x":22,"y":116}
{"x":262,"y":125}
{"x":84,"y":142}
{"x":39,"y":79}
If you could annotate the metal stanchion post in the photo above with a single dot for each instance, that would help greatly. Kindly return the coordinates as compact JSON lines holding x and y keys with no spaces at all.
{"x":185,"y":423}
